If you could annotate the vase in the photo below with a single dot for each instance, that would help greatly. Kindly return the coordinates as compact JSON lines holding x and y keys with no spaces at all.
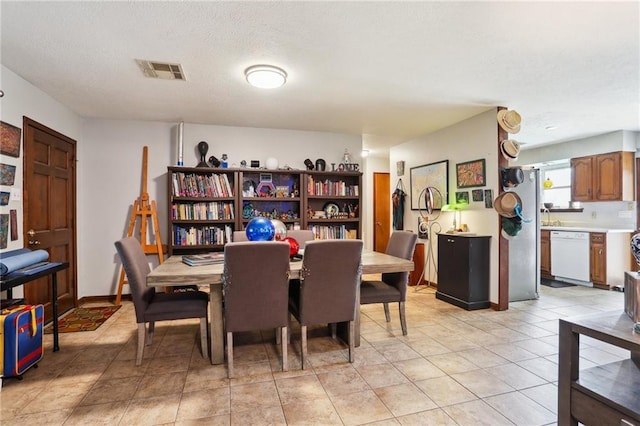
{"x":635,"y":247}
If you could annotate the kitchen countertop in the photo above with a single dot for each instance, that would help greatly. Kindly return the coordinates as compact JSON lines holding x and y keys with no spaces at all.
{"x":584,"y":229}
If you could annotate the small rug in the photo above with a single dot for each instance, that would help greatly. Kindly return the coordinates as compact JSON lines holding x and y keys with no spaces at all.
{"x":83,"y":319}
{"x":555,"y":284}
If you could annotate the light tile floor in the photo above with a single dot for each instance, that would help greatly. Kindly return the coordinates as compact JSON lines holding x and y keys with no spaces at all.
{"x":454,"y":367}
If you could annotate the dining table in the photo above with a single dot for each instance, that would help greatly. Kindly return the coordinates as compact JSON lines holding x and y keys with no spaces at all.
{"x":173,"y":272}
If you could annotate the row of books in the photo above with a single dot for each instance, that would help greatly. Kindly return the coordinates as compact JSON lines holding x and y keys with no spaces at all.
{"x":203,"y":259}
{"x":200,"y":185}
{"x":328,"y":187}
{"x":203,"y":235}
{"x":323,"y":232}
{"x":214,"y":210}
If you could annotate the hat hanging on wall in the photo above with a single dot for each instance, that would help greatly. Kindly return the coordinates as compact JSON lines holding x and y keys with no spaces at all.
{"x":509,"y":120}
{"x":510,"y":149}
{"x":505,"y":204}
{"x":512,"y":176}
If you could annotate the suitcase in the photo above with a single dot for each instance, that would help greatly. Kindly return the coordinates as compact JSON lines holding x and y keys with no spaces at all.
{"x":20,"y":338}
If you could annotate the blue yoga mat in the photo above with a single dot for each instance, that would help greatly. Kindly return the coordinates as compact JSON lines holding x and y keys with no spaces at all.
{"x":11,"y":262}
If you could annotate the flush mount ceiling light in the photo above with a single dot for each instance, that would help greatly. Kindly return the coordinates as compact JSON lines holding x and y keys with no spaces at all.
{"x":265,"y":76}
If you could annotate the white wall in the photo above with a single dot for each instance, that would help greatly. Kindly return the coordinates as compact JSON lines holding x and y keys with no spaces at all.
{"x":112,"y":168}
{"x":472,"y":139}
{"x":371,"y":165}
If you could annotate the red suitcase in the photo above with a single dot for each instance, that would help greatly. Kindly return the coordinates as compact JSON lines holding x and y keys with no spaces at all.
{"x":20,"y":338}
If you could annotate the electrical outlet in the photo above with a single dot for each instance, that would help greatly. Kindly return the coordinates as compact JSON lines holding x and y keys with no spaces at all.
{"x":594,"y":215}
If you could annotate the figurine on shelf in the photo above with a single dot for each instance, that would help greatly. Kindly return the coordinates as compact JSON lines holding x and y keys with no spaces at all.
{"x":224,"y":162}
{"x":203,"y":147}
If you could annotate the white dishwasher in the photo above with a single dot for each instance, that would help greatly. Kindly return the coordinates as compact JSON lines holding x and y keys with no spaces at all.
{"x":570,"y":257}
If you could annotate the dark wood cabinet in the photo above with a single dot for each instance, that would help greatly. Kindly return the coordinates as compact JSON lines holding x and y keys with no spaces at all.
{"x":604,"y":177}
{"x":545,"y":254}
{"x":598,"y":258}
{"x":463,"y":270}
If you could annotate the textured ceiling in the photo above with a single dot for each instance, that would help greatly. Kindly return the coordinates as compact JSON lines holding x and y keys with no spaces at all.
{"x":387,"y":70}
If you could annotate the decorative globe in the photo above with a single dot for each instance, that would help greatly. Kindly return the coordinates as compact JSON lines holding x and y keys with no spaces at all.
{"x":635,"y":247}
{"x":280,"y":229}
{"x":260,"y":229}
{"x":294,"y":247}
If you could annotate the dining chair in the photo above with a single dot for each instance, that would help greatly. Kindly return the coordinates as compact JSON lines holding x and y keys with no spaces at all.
{"x":301,"y":236}
{"x":328,"y":288}
{"x":393,"y":286}
{"x":151,"y":306}
{"x":256,"y":288}
{"x":240,"y":236}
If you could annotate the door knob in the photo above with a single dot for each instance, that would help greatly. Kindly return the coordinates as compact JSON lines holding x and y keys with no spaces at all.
{"x":31,"y":233}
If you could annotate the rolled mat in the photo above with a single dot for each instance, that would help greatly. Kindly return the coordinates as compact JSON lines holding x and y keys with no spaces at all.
{"x":11,"y":262}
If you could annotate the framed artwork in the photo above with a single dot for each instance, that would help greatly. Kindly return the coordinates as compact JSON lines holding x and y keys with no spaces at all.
{"x":435,"y":175}
{"x":4,"y":198}
{"x":9,"y":139}
{"x":4,"y":230}
{"x":488,"y":198}
{"x":477,"y":195}
{"x":7,"y":174}
{"x":471,"y":173}
{"x":462,"y":197}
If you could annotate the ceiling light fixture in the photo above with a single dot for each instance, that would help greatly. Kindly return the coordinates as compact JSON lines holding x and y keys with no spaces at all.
{"x":265,"y":76}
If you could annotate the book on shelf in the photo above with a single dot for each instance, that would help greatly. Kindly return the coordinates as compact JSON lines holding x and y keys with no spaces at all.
{"x":203,"y":259}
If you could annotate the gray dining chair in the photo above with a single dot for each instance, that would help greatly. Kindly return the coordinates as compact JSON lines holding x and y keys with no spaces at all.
{"x":256,"y":288}
{"x":302,"y":236}
{"x":393,"y":286}
{"x":151,"y":306}
{"x":328,"y":288}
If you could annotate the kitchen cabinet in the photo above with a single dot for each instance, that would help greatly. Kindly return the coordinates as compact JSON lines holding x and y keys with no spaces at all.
{"x":545,"y":254}
{"x":463,"y":270}
{"x":606,"y":394}
{"x":603,"y":177}
{"x":598,"y":259}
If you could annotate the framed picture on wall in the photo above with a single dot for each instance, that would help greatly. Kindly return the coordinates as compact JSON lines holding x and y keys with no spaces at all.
{"x":435,"y":175}
{"x":9,"y":139}
{"x":462,"y":197}
{"x":471,"y":173}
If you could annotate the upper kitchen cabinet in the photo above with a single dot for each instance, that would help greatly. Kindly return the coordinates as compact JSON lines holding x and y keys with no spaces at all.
{"x":603,"y":177}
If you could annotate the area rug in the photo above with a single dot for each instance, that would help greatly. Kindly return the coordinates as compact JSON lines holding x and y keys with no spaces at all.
{"x":83,"y":319}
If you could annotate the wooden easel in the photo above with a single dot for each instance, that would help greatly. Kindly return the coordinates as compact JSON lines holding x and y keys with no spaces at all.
{"x":146,"y":210}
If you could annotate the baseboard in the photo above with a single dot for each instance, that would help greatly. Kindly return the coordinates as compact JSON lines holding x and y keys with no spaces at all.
{"x":102,"y":299}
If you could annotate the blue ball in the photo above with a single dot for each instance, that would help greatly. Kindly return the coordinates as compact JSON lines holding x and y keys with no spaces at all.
{"x":260,"y":229}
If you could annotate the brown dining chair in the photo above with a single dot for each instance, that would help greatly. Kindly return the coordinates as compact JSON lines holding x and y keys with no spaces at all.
{"x":151,"y":306}
{"x":393,"y":286}
{"x":240,"y":236}
{"x":256,"y":287}
{"x":301,"y":236}
{"x":328,"y":287}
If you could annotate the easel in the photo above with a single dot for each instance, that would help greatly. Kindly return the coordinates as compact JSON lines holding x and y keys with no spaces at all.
{"x":145,"y":210}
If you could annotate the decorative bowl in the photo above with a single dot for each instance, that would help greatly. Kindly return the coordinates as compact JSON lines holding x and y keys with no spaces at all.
{"x":548,"y":205}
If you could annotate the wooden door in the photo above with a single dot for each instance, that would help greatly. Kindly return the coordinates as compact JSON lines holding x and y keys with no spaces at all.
{"x":49,"y":210}
{"x":581,"y":179}
{"x":608,"y":177}
{"x":598,"y":256}
{"x":381,"y":211}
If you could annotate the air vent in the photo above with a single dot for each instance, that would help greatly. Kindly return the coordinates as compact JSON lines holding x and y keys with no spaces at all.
{"x":161,"y":70}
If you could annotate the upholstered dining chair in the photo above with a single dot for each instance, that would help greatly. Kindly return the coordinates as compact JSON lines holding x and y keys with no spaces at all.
{"x":393,"y":286}
{"x":240,"y":236}
{"x":301,"y":236}
{"x":256,"y":288}
{"x":328,"y":288}
{"x":151,"y":306}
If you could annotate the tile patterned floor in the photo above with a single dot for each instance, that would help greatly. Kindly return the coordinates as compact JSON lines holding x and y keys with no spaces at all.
{"x":455,"y":367}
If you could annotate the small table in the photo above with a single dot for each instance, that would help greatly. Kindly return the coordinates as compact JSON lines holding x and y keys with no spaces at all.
{"x":175,"y":273}
{"x":603,"y":395}
{"x":15,"y":279}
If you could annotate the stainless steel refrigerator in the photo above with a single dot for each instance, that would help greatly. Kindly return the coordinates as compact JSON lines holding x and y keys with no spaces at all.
{"x":524,"y":248}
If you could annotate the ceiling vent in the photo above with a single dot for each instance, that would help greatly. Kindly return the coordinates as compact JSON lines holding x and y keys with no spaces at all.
{"x":161,"y":70}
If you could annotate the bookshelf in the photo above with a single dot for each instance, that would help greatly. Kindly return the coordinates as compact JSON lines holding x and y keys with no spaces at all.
{"x":207,"y":204}
{"x":202,"y":209}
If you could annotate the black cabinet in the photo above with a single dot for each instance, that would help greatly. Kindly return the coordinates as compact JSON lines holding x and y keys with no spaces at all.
{"x":463,"y":270}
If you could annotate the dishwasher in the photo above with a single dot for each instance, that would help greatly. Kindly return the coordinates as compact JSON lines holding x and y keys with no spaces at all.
{"x":570,"y":257}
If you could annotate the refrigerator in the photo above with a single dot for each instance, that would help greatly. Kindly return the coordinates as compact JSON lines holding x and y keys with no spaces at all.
{"x":524,"y":248}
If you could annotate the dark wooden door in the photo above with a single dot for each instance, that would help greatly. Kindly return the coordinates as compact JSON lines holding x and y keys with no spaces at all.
{"x":381,"y":211}
{"x":49,"y":210}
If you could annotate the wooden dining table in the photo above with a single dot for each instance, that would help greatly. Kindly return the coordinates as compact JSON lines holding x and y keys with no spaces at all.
{"x":173,"y":272}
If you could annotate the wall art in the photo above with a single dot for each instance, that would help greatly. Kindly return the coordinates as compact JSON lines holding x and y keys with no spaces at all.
{"x":7,"y":174}
{"x":488,"y":198}
{"x":477,"y":195}
{"x":4,"y":230}
{"x":462,"y":197}
{"x":471,"y":173}
{"x":432,"y":174}
{"x":9,"y":139}
{"x":4,"y":198}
